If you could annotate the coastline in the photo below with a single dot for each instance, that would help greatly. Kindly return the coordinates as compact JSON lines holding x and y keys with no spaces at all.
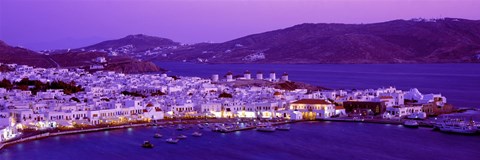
{"x":59,"y":133}
{"x":422,"y":123}
{"x":52,"y":134}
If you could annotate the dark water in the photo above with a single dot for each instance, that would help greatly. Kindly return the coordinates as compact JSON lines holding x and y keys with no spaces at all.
{"x":460,"y":83}
{"x":308,"y":140}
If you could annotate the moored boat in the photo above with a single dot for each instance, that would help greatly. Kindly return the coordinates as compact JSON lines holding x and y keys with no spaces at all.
{"x":147,"y":144}
{"x":182,"y":136}
{"x":410,"y":124}
{"x":172,"y":140}
{"x":180,"y":127}
{"x":456,"y":126}
{"x":157,"y":135}
{"x":196,"y":134}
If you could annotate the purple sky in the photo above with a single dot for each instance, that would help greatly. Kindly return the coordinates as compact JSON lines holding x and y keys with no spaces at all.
{"x":48,"y":24}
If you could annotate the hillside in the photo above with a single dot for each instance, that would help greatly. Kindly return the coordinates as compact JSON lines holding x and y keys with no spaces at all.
{"x":9,"y":54}
{"x":138,"y":46}
{"x":399,"y":41}
{"x":73,"y":59}
{"x":448,"y":40}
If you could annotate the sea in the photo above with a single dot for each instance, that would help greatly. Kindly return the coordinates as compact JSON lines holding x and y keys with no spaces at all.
{"x":460,"y":83}
{"x":305,"y":140}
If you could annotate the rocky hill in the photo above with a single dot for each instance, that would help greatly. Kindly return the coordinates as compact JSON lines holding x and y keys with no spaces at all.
{"x":9,"y":54}
{"x":74,"y":59}
{"x":138,"y":46}
{"x":399,"y":41}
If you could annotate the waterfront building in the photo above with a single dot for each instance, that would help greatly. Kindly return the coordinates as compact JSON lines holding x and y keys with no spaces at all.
{"x":340,"y":111}
{"x":397,"y":112}
{"x":437,"y":107}
{"x":7,"y":133}
{"x":363,"y":108}
{"x":313,"y":108}
{"x":211,"y":109}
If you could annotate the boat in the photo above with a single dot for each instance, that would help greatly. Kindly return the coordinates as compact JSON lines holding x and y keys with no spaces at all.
{"x":456,"y":126}
{"x":200,"y":126}
{"x":220,"y":129}
{"x":266,"y":129}
{"x":182,"y":137}
{"x":172,"y":140}
{"x":196,"y":134}
{"x":157,"y":135}
{"x":147,"y":144}
{"x":411,"y":124}
{"x":180,"y":127}
{"x":283,"y":128}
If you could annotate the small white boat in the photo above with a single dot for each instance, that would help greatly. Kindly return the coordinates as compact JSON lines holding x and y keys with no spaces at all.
{"x":180,"y":127}
{"x":283,"y":128}
{"x":200,"y":126}
{"x":196,"y":134}
{"x":266,"y":129}
{"x":219,"y":129}
{"x":182,"y":137}
{"x":410,"y":124}
{"x":157,"y":135}
{"x":172,"y":140}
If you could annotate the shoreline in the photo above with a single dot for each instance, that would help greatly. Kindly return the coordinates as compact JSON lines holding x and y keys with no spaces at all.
{"x":376,"y":121}
{"x":53,"y":134}
{"x":197,"y":121}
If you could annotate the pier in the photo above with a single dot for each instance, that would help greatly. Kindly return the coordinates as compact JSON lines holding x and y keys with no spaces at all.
{"x":258,"y":125}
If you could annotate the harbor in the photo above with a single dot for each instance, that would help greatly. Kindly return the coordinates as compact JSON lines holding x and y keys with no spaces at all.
{"x":311,"y":138}
{"x":231,"y":126}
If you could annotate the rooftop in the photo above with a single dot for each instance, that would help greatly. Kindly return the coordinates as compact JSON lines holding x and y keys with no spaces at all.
{"x":311,"y":101}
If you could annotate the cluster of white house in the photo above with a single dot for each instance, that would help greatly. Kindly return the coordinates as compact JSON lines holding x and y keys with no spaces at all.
{"x":102,"y":101}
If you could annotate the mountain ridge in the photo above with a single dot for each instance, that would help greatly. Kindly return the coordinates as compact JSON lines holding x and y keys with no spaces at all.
{"x":74,"y":59}
{"x":448,"y":40}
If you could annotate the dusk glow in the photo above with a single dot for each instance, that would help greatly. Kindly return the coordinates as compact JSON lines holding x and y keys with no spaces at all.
{"x":56,"y":24}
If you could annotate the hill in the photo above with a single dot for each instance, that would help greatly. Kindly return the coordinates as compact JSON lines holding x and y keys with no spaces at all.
{"x":138,"y":46}
{"x":73,"y":59}
{"x":400,"y":41}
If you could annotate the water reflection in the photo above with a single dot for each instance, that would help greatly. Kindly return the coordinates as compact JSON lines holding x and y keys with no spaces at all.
{"x":312,"y":140}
